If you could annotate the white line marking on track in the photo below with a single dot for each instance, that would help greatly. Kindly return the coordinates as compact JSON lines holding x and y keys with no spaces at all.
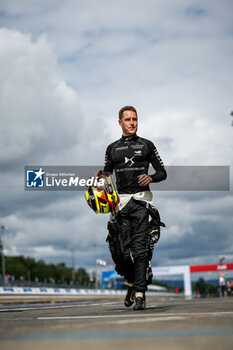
{"x":224,"y":313}
{"x":152,"y":319}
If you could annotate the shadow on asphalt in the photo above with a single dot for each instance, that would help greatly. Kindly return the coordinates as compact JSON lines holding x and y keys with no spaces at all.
{"x":149,"y":308}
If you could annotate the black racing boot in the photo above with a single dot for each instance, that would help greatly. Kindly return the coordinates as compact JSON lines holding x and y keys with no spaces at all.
{"x":140,"y":302}
{"x":130,"y":296}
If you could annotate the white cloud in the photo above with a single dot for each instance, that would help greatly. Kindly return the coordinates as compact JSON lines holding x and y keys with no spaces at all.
{"x":37,"y":107}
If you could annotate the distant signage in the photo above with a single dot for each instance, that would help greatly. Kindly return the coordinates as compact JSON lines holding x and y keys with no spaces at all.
{"x":211,"y":267}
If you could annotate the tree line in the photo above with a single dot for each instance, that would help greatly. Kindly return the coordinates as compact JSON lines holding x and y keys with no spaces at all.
{"x":26,"y":269}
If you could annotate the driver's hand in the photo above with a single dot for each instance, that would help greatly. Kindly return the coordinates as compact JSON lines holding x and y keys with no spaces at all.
{"x":144,"y":180}
{"x":97,"y":175}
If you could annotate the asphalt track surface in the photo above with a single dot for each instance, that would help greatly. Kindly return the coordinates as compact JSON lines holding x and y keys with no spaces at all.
{"x":104,"y":323}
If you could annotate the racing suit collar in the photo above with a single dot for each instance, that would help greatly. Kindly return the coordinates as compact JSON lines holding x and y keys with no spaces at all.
{"x":129,"y":138}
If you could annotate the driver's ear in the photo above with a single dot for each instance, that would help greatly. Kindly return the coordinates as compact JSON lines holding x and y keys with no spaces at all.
{"x":120,"y":123}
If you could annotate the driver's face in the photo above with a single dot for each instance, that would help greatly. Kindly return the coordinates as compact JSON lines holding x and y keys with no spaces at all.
{"x":129,"y":123}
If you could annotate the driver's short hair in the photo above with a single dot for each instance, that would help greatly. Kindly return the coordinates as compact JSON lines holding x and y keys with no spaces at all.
{"x":126,"y":108}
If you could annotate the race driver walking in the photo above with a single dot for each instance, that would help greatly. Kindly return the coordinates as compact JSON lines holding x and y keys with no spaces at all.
{"x":130,"y":157}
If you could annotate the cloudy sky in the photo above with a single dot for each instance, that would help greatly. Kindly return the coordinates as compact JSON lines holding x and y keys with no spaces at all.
{"x":67,"y":67}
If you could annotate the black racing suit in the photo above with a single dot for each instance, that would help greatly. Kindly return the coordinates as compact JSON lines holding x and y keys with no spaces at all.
{"x":130,"y":157}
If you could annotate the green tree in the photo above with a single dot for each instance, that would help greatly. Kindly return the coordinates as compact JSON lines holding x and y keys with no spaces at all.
{"x":82,"y":277}
{"x":32,"y":270}
{"x":201,"y":286}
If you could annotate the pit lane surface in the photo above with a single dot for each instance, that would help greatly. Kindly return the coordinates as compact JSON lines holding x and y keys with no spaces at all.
{"x":103,"y":322}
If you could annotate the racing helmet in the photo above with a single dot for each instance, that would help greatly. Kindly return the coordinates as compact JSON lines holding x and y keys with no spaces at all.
{"x":102,"y":199}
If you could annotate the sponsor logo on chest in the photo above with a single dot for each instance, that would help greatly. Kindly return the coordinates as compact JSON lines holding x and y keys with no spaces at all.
{"x":121,"y":148}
